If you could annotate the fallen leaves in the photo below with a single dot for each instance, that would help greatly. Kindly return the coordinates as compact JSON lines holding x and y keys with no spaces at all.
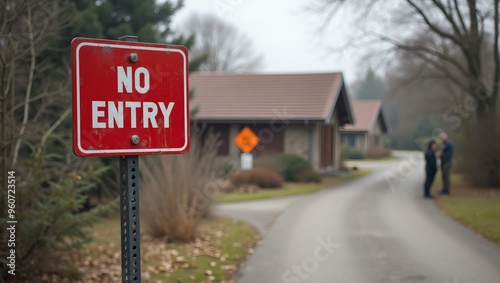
{"x":101,"y":261}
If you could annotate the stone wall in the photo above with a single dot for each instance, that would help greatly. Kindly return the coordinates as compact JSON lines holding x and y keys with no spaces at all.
{"x":297,"y":139}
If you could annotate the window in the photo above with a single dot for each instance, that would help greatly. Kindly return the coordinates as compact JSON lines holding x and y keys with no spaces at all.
{"x":349,"y":140}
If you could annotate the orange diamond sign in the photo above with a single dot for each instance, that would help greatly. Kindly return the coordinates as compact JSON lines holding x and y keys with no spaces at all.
{"x":246,"y":140}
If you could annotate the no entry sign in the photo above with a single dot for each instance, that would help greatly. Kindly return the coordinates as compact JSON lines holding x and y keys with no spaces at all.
{"x":129,"y":98}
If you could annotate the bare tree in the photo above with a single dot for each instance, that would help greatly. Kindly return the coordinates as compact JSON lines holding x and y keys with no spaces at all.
{"x":461,"y":46}
{"x":30,"y":99}
{"x":226,"y":48}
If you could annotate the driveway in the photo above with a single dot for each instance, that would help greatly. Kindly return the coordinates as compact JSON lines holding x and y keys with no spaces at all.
{"x":374,"y":229}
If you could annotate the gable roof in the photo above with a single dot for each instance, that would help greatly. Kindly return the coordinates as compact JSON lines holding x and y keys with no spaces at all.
{"x":241,"y":97}
{"x":367,"y":113}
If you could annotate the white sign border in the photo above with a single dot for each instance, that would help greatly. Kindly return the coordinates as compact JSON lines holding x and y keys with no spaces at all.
{"x":129,"y":151}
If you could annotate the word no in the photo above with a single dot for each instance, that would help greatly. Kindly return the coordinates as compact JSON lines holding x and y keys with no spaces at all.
{"x":111,"y":114}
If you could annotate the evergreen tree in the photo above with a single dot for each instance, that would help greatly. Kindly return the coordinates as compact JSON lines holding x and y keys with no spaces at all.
{"x":370,"y":87}
{"x":54,"y":185}
{"x":111,"y":19}
{"x":425,"y":129}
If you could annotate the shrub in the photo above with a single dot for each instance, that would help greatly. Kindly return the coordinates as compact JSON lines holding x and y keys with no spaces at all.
{"x":352,"y":153}
{"x":177,"y":190}
{"x":292,"y":165}
{"x":309,"y":176}
{"x":50,"y":221}
{"x":356,"y":154}
{"x":270,"y":163}
{"x":261,"y":177}
{"x":378,"y":152}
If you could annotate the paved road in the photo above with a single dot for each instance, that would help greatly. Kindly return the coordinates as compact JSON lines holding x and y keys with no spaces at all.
{"x":364,"y":232}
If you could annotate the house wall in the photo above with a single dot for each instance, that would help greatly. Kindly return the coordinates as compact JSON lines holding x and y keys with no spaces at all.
{"x":234,"y":151}
{"x":377,"y":130}
{"x":297,"y":139}
{"x":300,"y":139}
{"x":375,"y":136}
{"x":361,"y":141}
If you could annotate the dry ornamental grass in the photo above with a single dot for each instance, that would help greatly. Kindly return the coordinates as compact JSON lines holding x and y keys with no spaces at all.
{"x":177,"y":190}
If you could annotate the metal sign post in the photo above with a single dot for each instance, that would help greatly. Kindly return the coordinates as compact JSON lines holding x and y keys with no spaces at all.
{"x":129,"y":219}
{"x":130,"y":98}
{"x":129,"y":213}
{"x":246,"y":140}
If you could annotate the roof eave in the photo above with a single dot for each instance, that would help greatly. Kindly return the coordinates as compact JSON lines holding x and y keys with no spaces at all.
{"x":341,"y":90}
{"x":384,"y":124}
{"x":259,"y":120}
{"x":353,"y":131}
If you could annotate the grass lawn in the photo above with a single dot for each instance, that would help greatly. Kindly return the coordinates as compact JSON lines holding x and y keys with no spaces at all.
{"x":213,"y":256}
{"x":476,"y":208}
{"x":291,"y":189}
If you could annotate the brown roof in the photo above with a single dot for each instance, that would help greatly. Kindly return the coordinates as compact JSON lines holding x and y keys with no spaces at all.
{"x":367,"y":112}
{"x":229,"y":96}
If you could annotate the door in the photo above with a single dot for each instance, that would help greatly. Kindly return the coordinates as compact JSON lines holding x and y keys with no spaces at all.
{"x":326,"y":145}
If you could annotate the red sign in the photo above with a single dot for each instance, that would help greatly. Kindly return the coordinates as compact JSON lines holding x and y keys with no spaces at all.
{"x":129,"y":98}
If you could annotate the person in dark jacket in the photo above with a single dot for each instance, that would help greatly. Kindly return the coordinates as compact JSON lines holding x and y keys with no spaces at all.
{"x":430,"y":168}
{"x":446,"y":161}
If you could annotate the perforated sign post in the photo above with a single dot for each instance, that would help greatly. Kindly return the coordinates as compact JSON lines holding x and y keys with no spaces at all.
{"x":129,"y":99}
{"x":246,"y":140}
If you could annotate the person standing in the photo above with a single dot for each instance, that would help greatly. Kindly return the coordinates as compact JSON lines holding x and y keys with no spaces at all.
{"x":430,"y":168}
{"x":446,"y":161}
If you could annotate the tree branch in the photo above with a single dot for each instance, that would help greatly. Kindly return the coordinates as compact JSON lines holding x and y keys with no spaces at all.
{"x":33,"y":99}
{"x":52,"y":129}
{"x":448,"y":16}
{"x":29,"y":86}
{"x":474,"y":34}
{"x":431,"y":25}
{"x":423,"y":49}
{"x":460,"y":17}
{"x":443,"y":70}
{"x":464,"y":46}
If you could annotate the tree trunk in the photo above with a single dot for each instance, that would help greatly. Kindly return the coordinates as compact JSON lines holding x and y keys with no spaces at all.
{"x":482,"y":152}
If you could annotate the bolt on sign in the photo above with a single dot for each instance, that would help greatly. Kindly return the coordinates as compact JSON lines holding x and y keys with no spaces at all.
{"x":246,"y":140}
{"x":129,"y":98}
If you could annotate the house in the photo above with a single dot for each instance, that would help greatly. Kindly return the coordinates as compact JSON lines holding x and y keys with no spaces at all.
{"x":290,"y":113}
{"x":369,"y":128}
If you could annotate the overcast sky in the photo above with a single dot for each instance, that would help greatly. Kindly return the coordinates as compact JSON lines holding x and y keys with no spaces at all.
{"x":282,"y":32}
